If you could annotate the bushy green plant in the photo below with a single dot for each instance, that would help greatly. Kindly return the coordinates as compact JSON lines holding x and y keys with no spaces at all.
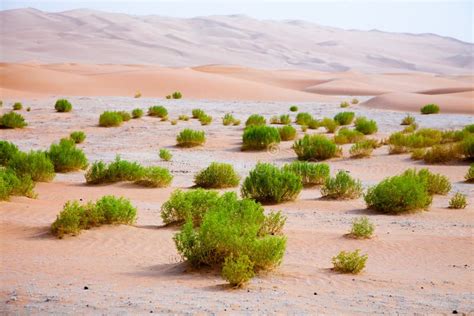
{"x":293,"y":108}
{"x":315,"y":124}
{"x":77,"y":137}
{"x":17,"y":106}
{"x":158,"y":111}
{"x":267,"y":183}
{"x":255,"y":120}
{"x":197,"y":113}
{"x":117,"y":171}
{"x":315,"y":147}
{"x":304,"y":118}
{"x":205,"y":119}
{"x":362,"y":228}
{"x":68,"y":222}
{"x":284,"y":119}
{"x":424,"y":137}
{"x":349,"y":262}
{"x":35,"y":164}
{"x":228,"y":119}
{"x":361,"y":149}
{"x":168,"y":96}
{"x":469,"y":175}
{"x":176,"y":95}
{"x":66,"y":157}
{"x":347,"y":136}
{"x":110,"y":119}
{"x":304,"y":128}
{"x":408,"y":120}
{"x":418,"y":153}
{"x":344,"y":104}
{"x":344,"y":118}
{"x":287,"y":132}
{"x":458,"y":201}
{"x":217,"y":176}
{"x":365,"y":126}
{"x":329,"y":124}
{"x":442,"y":153}
{"x":310,"y":173}
{"x":274,"y":120}
{"x":435,"y":183}
{"x":63,"y":105}
{"x":466,"y":147}
{"x":174,"y":122}
{"x":237,"y":271}
{"x":343,"y":186}
{"x":116,"y":210}
{"x":273,"y":224}
{"x":10,"y":184}
{"x":258,"y":137}
{"x":165,"y":154}
{"x":355,"y":101}
{"x":410,"y":128}
{"x":183,"y":117}
{"x":154,"y":177}
{"x":430,"y":109}
{"x":125,"y":116}
{"x":7,"y":151}
{"x":12,"y":120}
{"x":236,"y":123}
{"x":190,"y":138}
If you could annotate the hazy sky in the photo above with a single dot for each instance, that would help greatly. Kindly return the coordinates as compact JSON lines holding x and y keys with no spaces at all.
{"x":449,"y":18}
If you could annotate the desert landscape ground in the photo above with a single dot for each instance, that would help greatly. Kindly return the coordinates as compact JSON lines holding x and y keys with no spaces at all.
{"x":418,"y":262}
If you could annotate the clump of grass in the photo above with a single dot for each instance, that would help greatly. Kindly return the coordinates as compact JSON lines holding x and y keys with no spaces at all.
{"x":78,"y":137}
{"x":255,"y":120}
{"x":17,"y":106}
{"x":365,"y":126}
{"x":315,"y":147}
{"x":66,"y":157}
{"x":183,"y":117}
{"x":125,"y":116}
{"x":258,"y":137}
{"x":165,"y":154}
{"x":329,"y":124}
{"x":442,"y":154}
{"x":137,"y":113}
{"x":355,"y":101}
{"x":228,"y":119}
{"x":269,"y":184}
{"x":168,"y":96}
{"x":110,"y":119}
{"x":347,"y":136}
{"x":458,"y":201}
{"x":190,"y":138}
{"x":154,"y":177}
{"x":430,"y":109}
{"x":287,"y":132}
{"x":362,"y":228}
{"x":344,"y":104}
{"x":344,"y":118}
{"x":310,"y":173}
{"x":176,"y":95}
{"x":238,"y":271}
{"x":7,"y":151}
{"x":293,"y":108}
{"x":205,"y":119}
{"x":35,"y":164}
{"x":410,"y":128}
{"x":342,"y":187}
{"x":434,"y":183}
{"x":361,"y":149}
{"x":11,"y":184}
{"x":217,"y":176}
{"x":158,"y":111}
{"x":418,"y":153}
{"x":12,"y":120}
{"x":236,"y":123}
{"x":197,"y":113}
{"x":315,"y":124}
{"x":63,"y":105}
{"x":137,"y":95}
{"x":408,"y":120}
{"x":304,"y":128}
{"x":349,"y":262}
{"x":466,"y":147}
{"x":282,"y":119}
{"x":304,"y":118}
{"x":174,"y":122}
{"x":469,"y":175}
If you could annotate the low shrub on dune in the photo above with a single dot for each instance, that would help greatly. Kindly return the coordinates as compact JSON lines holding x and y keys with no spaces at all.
{"x":35,"y":164}
{"x":237,"y":271}
{"x":197,"y":113}
{"x":255,"y":120}
{"x":217,"y":176}
{"x":355,"y":101}
{"x":304,"y":118}
{"x":430,"y":109}
{"x":158,"y":111}
{"x":17,"y":106}
{"x":228,"y":119}
{"x":176,"y":95}
{"x":66,"y":157}
{"x":165,"y":154}
{"x":110,"y":119}
{"x":435,"y":183}
{"x":408,"y":120}
{"x":362,"y":228}
{"x":205,"y":119}
{"x":287,"y":132}
{"x":77,"y":137}
{"x":12,"y":120}
{"x":466,"y":147}
{"x":410,"y":128}
{"x":293,"y":108}
{"x":63,"y":105}
{"x":315,"y":147}
{"x":365,"y":126}
{"x":344,"y":104}
{"x":7,"y":151}
{"x":349,"y":262}
{"x":347,"y":136}
{"x":11,"y":184}
{"x":458,"y":201}
{"x":470,"y":174}
{"x":310,"y":173}
{"x":341,"y":187}
{"x":361,"y":149}
{"x":442,"y":154}
{"x":329,"y":124}
{"x":183,"y":117}
{"x":190,"y":138}
{"x":125,"y":116}
{"x":282,"y":119}
{"x":137,"y":113}
{"x":154,"y":177}
{"x":259,"y":137}
{"x":344,"y":118}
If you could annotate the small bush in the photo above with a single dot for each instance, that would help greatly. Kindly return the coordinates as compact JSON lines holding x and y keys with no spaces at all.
{"x":137,"y":113}
{"x":154,"y":177}
{"x":314,"y":124}
{"x":228,"y":119}
{"x":176,"y":95}
{"x":77,"y":137}
{"x":63,"y":105}
{"x":355,"y":101}
{"x":344,"y":104}
{"x":466,"y":147}
{"x":17,"y":106}
{"x":66,"y":157}
{"x":267,"y":183}
{"x":304,"y":118}
{"x":304,"y":128}
{"x":10,"y":184}
{"x":329,"y":124}
{"x":285,"y":119}
{"x":35,"y":164}
{"x":68,"y":222}
{"x":190,"y":138}
{"x":430,"y":109}
{"x":237,"y":271}
{"x":418,"y":153}
{"x":469,"y":175}
{"x":183,"y":117}
{"x":365,"y":126}
{"x":117,"y":171}
{"x":205,"y":119}
{"x":137,"y":95}
{"x":349,"y":262}
{"x":344,"y":118}
{"x":435,"y":183}
{"x":442,"y":154}
{"x":315,"y":147}
{"x":408,"y":120}
{"x":341,"y":187}
{"x":197,"y":113}
{"x":362,"y":228}
{"x":273,"y":224}
{"x":174,"y":122}
{"x":255,"y":120}
{"x":158,"y":111}
{"x":7,"y":151}
{"x":257,"y":137}
{"x":28,"y":109}
{"x":293,"y":108}
{"x":165,"y":154}
{"x":110,"y":119}
{"x":287,"y":132}
{"x":236,"y":123}
{"x":458,"y":201}
{"x":410,"y":128}
{"x":347,"y":136}
{"x":310,"y":173}
{"x":12,"y":120}
{"x":361,"y":149}
{"x":274,"y":120}
{"x":168,"y":96}
{"x":217,"y":176}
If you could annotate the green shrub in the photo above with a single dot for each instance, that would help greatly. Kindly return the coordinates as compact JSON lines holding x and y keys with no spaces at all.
{"x":410,"y":128}
{"x":287,"y":132}
{"x":12,"y":120}
{"x":197,"y":113}
{"x":304,"y":128}
{"x":293,"y":108}
{"x":349,"y":262}
{"x":424,"y":137}
{"x":442,"y":153}
{"x":275,"y":120}
{"x":344,"y":104}
{"x":176,"y":95}
{"x":154,"y":177}
{"x":273,"y":224}
{"x":452,"y":136}
{"x":77,"y":137}
{"x":237,"y":271}
{"x":110,"y":119}
{"x":205,"y":119}
{"x":315,"y":147}
{"x":259,"y":137}
{"x":137,"y":113}
{"x":117,"y":171}
{"x":125,"y":115}
{"x":285,"y":119}
{"x":183,"y":117}
{"x":329,"y":124}
{"x":435,"y":183}
{"x":228,"y":119}
{"x":347,"y":136}
{"x":28,"y":109}
{"x":361,"y":149}
{"x":188,"y":206}
{"x":344,"y":118}
{"x":168,"y":96}
{"x":236,"y":123}
{"x":355,"y":101}
{"x":174,"y":122}
{"x":362,"y":228}
{"x":255,"y":120}
{"x":35,"y":164}
{"x":7,"y":151}
{"x":10,"y":184}
{"x":458,"y":201}
{"x":466,"y":147}
{"x":190,"y":138}
{"x":165,"y":154}
{"x":343,"y":186}
{"x":430,"y":109}
{"x":68,"y":222}
{"x":469,"y":175}
{"x":408,"y":120}
{"x":314,"y":124}
{"x":158,"y":111}
{"x":217,"y":176}
{"x":418,"y":153}
{"x":17,"y":106}
{"x":365,"y":126}
{"x":309,"y":172}
{"x":63,"y":105}
{"x":116,"y":210}
{"x":267,"y":183}
{"x":66,"y":157}
{"x":304,"y":118}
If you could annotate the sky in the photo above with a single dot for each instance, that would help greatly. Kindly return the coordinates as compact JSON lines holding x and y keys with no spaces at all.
{"x":443,"y":17}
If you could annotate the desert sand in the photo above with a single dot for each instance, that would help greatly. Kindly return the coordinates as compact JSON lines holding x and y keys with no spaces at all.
{"x":418,"y":263}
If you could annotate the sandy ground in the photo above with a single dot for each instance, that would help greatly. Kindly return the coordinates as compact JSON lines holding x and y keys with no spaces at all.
{"x":420,"y":263}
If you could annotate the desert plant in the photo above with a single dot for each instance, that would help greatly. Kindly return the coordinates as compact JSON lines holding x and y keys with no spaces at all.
{"x":77,"y":137}
{"x":35,"y":164}
{"x":69,"y":220}
{"x":174,"y":122}
{"x":17,"y":106}
{"x":273,"y":224}
{"x":217,"y":176}
{"x":344,"y":104}
{"x":237,"y":271}
{"x":365,"y":126}
{"x":258,"y":137}
{"x":137,"y":95}
{"x":362,"y":228}
{"x":117,"y":171}
{"x":309,"y":172}
{"x":304,"y":128}
{"x":236,"y":123}
{"x":303,"y":118}
{"x":430,"y":109}
{"x":228,"y":119}
{"x":361,"y":149}
{"x":408,"y":120}
{"x":190,"y":138}
{"x":110,"y":119}
{"x":418,"y":153}
{"x":343,"y":186}
{"x":293,"y":108}
{"x":125,"y":116}
{"x":267,"y":183}
{"x":197,"y":113}
{"x":165,"y":154}
{"x":28,"y":109}
{"x":168,"y":96}
{"x":63,"y":105}
{"x":469,"y":175}
{"x":355,"y":101}
{"x":12,"y":120}
{"x":435,"y":183}
{"x":349,"y":262}
{"x":183,"y":117}
{"x":329,"y":124}
{"x":285,"y":119}
{"x":287,"y":132}
{"x":158,"y":111}
{"x":344,"y":118}
{"x":154,"y":177}
{"x":176,"y":95}
{"x":205,"y":119}
{"x":442,"y":153}
{"x":255,"y":120}
{"x":315,"y":124}
{"x":458,"y":201}
{"x":410,"y":128}
{"x":11,"y":184}
{"x":137,"y":113}
{"x":466,"y":147}
{"x":347,"y":136}
{"x":315,"y":147}
{"x":7,"y":151}
{"x":274,"y":120}
{"x":66,"y":157}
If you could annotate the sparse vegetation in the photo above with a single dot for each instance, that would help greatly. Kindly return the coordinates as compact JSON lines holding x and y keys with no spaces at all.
{"x":63,"y":105}
{"x":110,"y":119}
{"x":435,"y":183}
{"x":347,"y":136}
{"x":343,"y":186}
{"x":408,"y":120}
{"x":17,"y":106}
{"x":176,"y":95}
{"x":165,"y":154}
{"x":255,"y":120}
{"x":442,"y":153}
{"x":365,"y":126}
{"x":282,"y":119}
{"x":158,"y":111}
{"x":35,"y":164}
{"x":205,"y":119}
{"x":349,"y":262}
{"x":430,"y":109}
{"x":137,"y":95}
{"x":137,"y":113}
{"x":329,"y":124}
{"x":228,"y":119}
{"x":237,"y":271}
{"x":78,"y":137}
{"x":310,"y":173}
{"x":344,"y":104}
{"x":66,"y":157}
{"x":469,"y":175}
{"x":293,"y":108}
{"x":183,"y":117}
{"x":458,"y":201}
{"x":287,"y":132}
{"x":355,"y":101}
{"x":217,"y":176}
{"x":258,"y":137}
{"x":344,"y":118}
{"x":174,"y":122}
{"x":362,"y":228}
{"x":154,"y":177}
{"x":315,"y":147}
{"x":7,"y":151}
{"x":361,"y":149}
{"x":197,"y":113}
{"x":10,"y":185}
{"x":12,"y":120}
{"x":190,"y":138}
{"x":304,"y":118}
